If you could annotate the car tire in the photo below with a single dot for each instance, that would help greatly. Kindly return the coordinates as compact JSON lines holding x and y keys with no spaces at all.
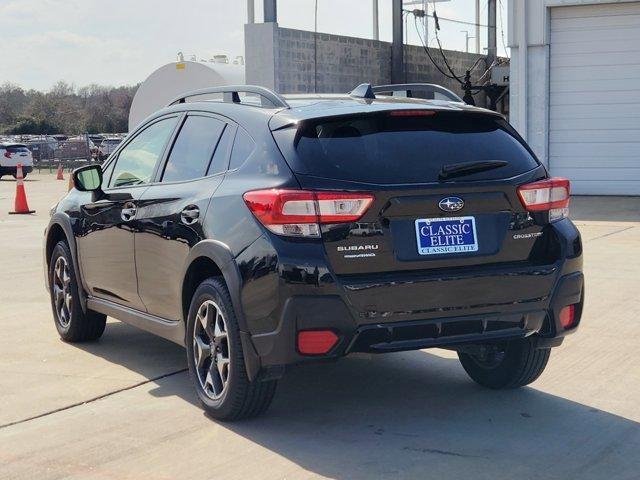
{"x":73,"y":324}
{"x":512,"y":364}
{"x":216,"y":360}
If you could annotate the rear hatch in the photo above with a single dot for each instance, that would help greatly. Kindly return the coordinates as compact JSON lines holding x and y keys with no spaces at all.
{"x":14,"y":154}
{"x":446,"y":209}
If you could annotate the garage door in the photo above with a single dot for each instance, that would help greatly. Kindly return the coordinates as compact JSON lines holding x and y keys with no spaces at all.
{"x":594,"y":123}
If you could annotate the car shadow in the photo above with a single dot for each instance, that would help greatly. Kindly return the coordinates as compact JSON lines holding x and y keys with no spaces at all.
{"x":13,"y":180}
{"x":406,"y":415}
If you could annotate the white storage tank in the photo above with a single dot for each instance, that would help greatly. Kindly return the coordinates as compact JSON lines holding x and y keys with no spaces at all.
{"x":176,"y":78}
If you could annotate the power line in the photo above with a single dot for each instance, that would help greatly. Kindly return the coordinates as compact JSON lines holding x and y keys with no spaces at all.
{"x":426,"y":49}
{"x":462,"y":22}
{"x":435,"y":16}
{"x":459,"y":21}
{"x":504,"y":45}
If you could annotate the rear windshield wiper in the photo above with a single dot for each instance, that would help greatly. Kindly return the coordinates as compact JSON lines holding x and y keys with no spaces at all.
{"x":467,"y":168}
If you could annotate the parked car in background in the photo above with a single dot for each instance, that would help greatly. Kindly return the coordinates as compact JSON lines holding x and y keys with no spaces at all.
{"x":42,"y":148}
{"x":107,"y":147}
{"x":11,"y":154}
{"x":75,"y":148}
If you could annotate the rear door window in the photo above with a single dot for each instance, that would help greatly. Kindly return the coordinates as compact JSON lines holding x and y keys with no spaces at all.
{"x":193,"y":150}
{"x":397,"y":147}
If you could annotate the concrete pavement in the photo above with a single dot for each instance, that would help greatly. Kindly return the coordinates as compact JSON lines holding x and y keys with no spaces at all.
{"x":123,"y":407}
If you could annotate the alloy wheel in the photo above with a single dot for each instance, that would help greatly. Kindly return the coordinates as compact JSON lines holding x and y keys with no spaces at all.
{"x":62,"y":298}
{"x":490,"y":357}
{"x":211,"y":349}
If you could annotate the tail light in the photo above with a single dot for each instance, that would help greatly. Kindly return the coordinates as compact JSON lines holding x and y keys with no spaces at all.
{"x":550,"y":195}
{"x":299,"y":213}
{"x":7,"y":154}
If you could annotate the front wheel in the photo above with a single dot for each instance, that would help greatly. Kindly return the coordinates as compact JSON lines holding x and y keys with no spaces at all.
{"x":215,"y":357}
{"x":510,"y":364}
{"x":73,"y":324}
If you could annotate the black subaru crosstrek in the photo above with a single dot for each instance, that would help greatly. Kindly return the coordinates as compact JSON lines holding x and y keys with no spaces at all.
{"x":261,"y":231}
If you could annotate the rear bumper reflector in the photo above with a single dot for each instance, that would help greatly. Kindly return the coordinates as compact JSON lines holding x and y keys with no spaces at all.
{"x":316,"y":342}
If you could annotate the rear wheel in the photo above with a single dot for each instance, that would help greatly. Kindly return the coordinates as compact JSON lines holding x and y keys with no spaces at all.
{"x":215,"y":357}
{"x":73,"y":324}
{"x":510,"y":364}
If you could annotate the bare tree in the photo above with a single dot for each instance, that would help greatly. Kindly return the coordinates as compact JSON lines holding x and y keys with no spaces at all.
{"x":64,"y":108}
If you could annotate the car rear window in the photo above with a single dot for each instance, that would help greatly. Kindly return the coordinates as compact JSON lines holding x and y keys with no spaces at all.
{"x":394,"y":147}
{"x":17,"y":149}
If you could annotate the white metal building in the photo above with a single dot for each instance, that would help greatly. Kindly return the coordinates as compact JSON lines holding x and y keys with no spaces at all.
{"x":575,"y":89}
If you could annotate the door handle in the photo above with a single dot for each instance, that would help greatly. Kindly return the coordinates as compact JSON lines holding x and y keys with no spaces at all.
{"x":190,"y":214}
{"x":128,"y":212}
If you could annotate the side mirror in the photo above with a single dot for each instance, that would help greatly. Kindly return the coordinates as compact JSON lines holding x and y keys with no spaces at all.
{"x":88,"y":178}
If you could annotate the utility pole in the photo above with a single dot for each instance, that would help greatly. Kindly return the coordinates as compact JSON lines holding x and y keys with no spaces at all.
{"x":477,"y":26}
{"x":270,"y":11}
{"x":425,"y":6}
{"x":376,"y":25}
{"x":492,"y":45}
{"x":251,"y":11}
{"x":397,"y":48}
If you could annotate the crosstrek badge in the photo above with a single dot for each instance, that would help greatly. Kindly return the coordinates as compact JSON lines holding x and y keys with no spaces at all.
{"x":441,"y":236}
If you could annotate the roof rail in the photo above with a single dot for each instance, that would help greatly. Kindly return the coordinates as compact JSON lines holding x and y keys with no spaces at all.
{"x":409,"y":88}
{"x":231,"y":94}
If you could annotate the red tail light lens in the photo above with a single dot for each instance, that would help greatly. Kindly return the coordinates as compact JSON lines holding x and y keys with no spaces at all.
{"x":547,"y":195}
{"x":300,"y":212}
{"x":7,"y":154}
{"x":316,"y":342}
{"x":568,"y":316}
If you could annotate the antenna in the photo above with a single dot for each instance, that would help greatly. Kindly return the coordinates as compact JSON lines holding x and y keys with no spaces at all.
{"x":363,"y":90}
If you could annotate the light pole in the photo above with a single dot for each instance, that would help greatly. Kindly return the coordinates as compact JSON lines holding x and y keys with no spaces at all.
{"x":376,"y":27}
{"x":466,"y":38}
{"x":477,"y":26}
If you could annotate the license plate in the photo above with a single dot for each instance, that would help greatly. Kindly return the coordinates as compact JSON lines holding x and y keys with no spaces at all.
{"x":442,"y":236}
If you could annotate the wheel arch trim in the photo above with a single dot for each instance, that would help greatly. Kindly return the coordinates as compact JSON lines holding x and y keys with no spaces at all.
{"x":63,"y":221}
{"x":220,"y":254}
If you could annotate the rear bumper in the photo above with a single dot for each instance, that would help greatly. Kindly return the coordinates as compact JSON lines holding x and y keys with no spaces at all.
{"x":331,"y":313}
{"x":397,"y":313}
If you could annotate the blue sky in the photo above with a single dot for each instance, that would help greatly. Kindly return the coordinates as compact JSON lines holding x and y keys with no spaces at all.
{"x":119,"y":42}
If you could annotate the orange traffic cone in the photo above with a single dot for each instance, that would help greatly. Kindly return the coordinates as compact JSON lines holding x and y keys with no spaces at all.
{"x":60,"y":175}
{"x":21,"y":197}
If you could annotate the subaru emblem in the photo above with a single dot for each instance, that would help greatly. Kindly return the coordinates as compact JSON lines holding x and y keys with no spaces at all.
{"x":451,"y":204}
